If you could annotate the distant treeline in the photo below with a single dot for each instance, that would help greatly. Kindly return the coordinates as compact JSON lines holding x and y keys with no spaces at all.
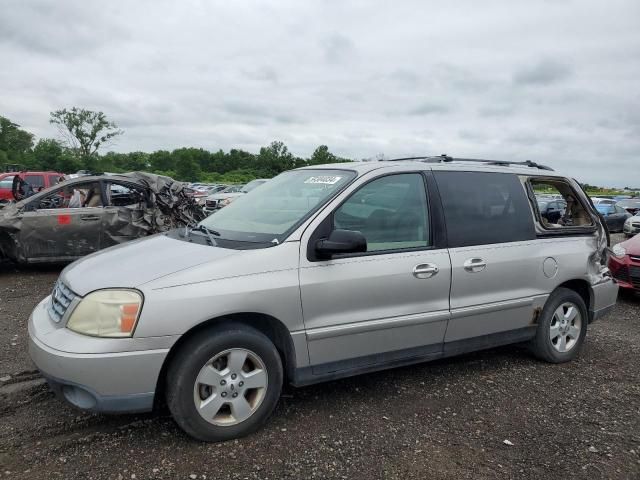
{"x":17,"y":146}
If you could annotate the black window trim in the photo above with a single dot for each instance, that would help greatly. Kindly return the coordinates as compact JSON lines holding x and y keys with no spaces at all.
{"x":437,"y":232}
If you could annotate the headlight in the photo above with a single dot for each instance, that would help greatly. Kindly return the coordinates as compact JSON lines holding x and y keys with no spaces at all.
{"x":226,"y":201}
{"x":618,"y":251}
{"x":107,"y":313}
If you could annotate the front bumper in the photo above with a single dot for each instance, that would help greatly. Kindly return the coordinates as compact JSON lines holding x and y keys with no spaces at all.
{"x":117,"y":381}
{"x":626,"y":271}
{"x":631,"y":228}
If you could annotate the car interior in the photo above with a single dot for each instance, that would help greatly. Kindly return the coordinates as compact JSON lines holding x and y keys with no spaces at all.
{"x":573,"y":214}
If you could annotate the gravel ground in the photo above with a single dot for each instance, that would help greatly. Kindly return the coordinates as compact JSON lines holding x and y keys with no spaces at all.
{"x":493,"y":414}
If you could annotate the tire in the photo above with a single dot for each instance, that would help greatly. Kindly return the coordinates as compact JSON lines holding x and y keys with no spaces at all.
{"x":196,"y":386}
{"x":548,"y":344}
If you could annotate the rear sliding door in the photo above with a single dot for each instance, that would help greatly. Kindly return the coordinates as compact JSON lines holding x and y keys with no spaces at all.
{"x":494,"y":260}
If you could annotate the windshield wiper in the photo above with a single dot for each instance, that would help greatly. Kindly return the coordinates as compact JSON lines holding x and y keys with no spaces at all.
{"x":208,"y":232}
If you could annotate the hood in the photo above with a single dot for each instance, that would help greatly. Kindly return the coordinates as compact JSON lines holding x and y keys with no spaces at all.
{"x":632,"y":246}
{"x":134,"y":263}
{"x":222,"y":196}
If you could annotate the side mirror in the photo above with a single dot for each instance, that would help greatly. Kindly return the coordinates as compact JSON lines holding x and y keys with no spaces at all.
{"x":341,"y":241}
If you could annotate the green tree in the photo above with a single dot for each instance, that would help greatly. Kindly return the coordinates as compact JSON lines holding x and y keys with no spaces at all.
{"x":14,"y":142}
{"x":85,"y":131}
{"x":275,"y":159}
{"x":322,"y":155}
{"x":162,"y":161}
{"x":187,"y":166}
{"x":47,"y":153}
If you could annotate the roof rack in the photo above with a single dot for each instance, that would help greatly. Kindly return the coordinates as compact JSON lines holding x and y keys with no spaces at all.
{"x":448,"y":159}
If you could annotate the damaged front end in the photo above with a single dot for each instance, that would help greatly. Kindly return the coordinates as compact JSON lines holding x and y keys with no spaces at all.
{"x":167,"y":207}
{"x":45,"y":228}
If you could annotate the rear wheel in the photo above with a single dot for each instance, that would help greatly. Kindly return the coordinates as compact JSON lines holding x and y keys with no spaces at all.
{"x":562,"y":327}
{"x":224,"y":383}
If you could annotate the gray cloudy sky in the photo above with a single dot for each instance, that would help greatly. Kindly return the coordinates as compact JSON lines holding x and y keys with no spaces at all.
{"x":552,"y":81}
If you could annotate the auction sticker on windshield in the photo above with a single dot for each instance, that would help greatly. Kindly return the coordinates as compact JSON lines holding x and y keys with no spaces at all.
{"x":323,"y":180}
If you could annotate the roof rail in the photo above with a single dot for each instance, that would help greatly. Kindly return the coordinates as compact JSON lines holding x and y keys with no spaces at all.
{"x":448,"y":159}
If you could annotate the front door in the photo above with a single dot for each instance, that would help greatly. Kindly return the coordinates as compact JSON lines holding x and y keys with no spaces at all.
{"x":52,"y":230}
{"x":389,"y":303}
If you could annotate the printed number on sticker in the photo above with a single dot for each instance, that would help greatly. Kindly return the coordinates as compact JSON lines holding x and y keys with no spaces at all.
{"x":326,"y":180}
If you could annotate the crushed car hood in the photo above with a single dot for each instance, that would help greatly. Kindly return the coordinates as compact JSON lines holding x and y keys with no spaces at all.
{"x":135,"y":263}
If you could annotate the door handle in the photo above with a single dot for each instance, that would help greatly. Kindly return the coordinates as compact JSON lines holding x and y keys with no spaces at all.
{"x":89,"y":218}
{"x":425,"y":270}
{"x":474,"y":265}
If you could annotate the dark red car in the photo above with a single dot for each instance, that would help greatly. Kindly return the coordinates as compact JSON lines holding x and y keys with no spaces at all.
{"x":624,"y":263}
{"x":37,"y":180}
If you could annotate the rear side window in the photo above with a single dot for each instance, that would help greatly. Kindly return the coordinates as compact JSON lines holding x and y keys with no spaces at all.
{"x":483,"y":208}
{"x":36,"y":181}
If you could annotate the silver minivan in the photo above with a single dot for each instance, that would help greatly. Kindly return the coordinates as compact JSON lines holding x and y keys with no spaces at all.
{"x":325,"y":272}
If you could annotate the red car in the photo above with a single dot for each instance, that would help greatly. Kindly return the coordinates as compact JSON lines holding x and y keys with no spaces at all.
{"x":37,"y":180}
{"x":624,"y":263}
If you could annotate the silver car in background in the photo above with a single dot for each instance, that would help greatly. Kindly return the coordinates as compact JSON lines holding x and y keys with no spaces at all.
{"x":321,"y":273}
{"x":225,"y":197}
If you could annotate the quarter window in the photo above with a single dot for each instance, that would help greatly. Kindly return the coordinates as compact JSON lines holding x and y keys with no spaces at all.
{"x":391,"y":212}
{"x":571,"y":213}
{"x":483,"y":208}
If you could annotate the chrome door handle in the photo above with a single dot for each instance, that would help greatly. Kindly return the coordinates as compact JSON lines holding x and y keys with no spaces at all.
{"x":474,"y":265}
{"x":425,"y":270}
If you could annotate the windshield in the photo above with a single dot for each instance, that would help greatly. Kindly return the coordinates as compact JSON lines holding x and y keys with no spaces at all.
{"x":604,"y":208}
{"x":268,"y":213}
{"x":542,"y":205}
{"x":251,"y":185}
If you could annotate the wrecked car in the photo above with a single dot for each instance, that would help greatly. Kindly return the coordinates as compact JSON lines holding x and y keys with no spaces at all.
{"x":325,"y":272}
{"x":86,"y":214}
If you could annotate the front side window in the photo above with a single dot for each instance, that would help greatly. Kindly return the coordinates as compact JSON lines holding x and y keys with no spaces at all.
{"x":269,"y":213}
{"x":482,"y":208}
{"x":55,"y":179}
{"x":78,"y":195}
{"x":391,"y":212}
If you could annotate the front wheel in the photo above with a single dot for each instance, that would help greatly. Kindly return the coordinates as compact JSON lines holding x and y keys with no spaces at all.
{"x":224,"y":383}
{"x":562,"y":327}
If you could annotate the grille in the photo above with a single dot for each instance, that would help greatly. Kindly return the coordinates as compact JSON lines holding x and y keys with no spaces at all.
{"x":635,"y":224}
{"x":622,"y":274}
{"x":634,"y":258}
{"x":212,"y":203}
{"x":634,"y":274}
{"x":61,"y":298}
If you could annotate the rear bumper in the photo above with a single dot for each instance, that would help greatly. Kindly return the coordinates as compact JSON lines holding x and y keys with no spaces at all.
{"x":604,"y":299}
